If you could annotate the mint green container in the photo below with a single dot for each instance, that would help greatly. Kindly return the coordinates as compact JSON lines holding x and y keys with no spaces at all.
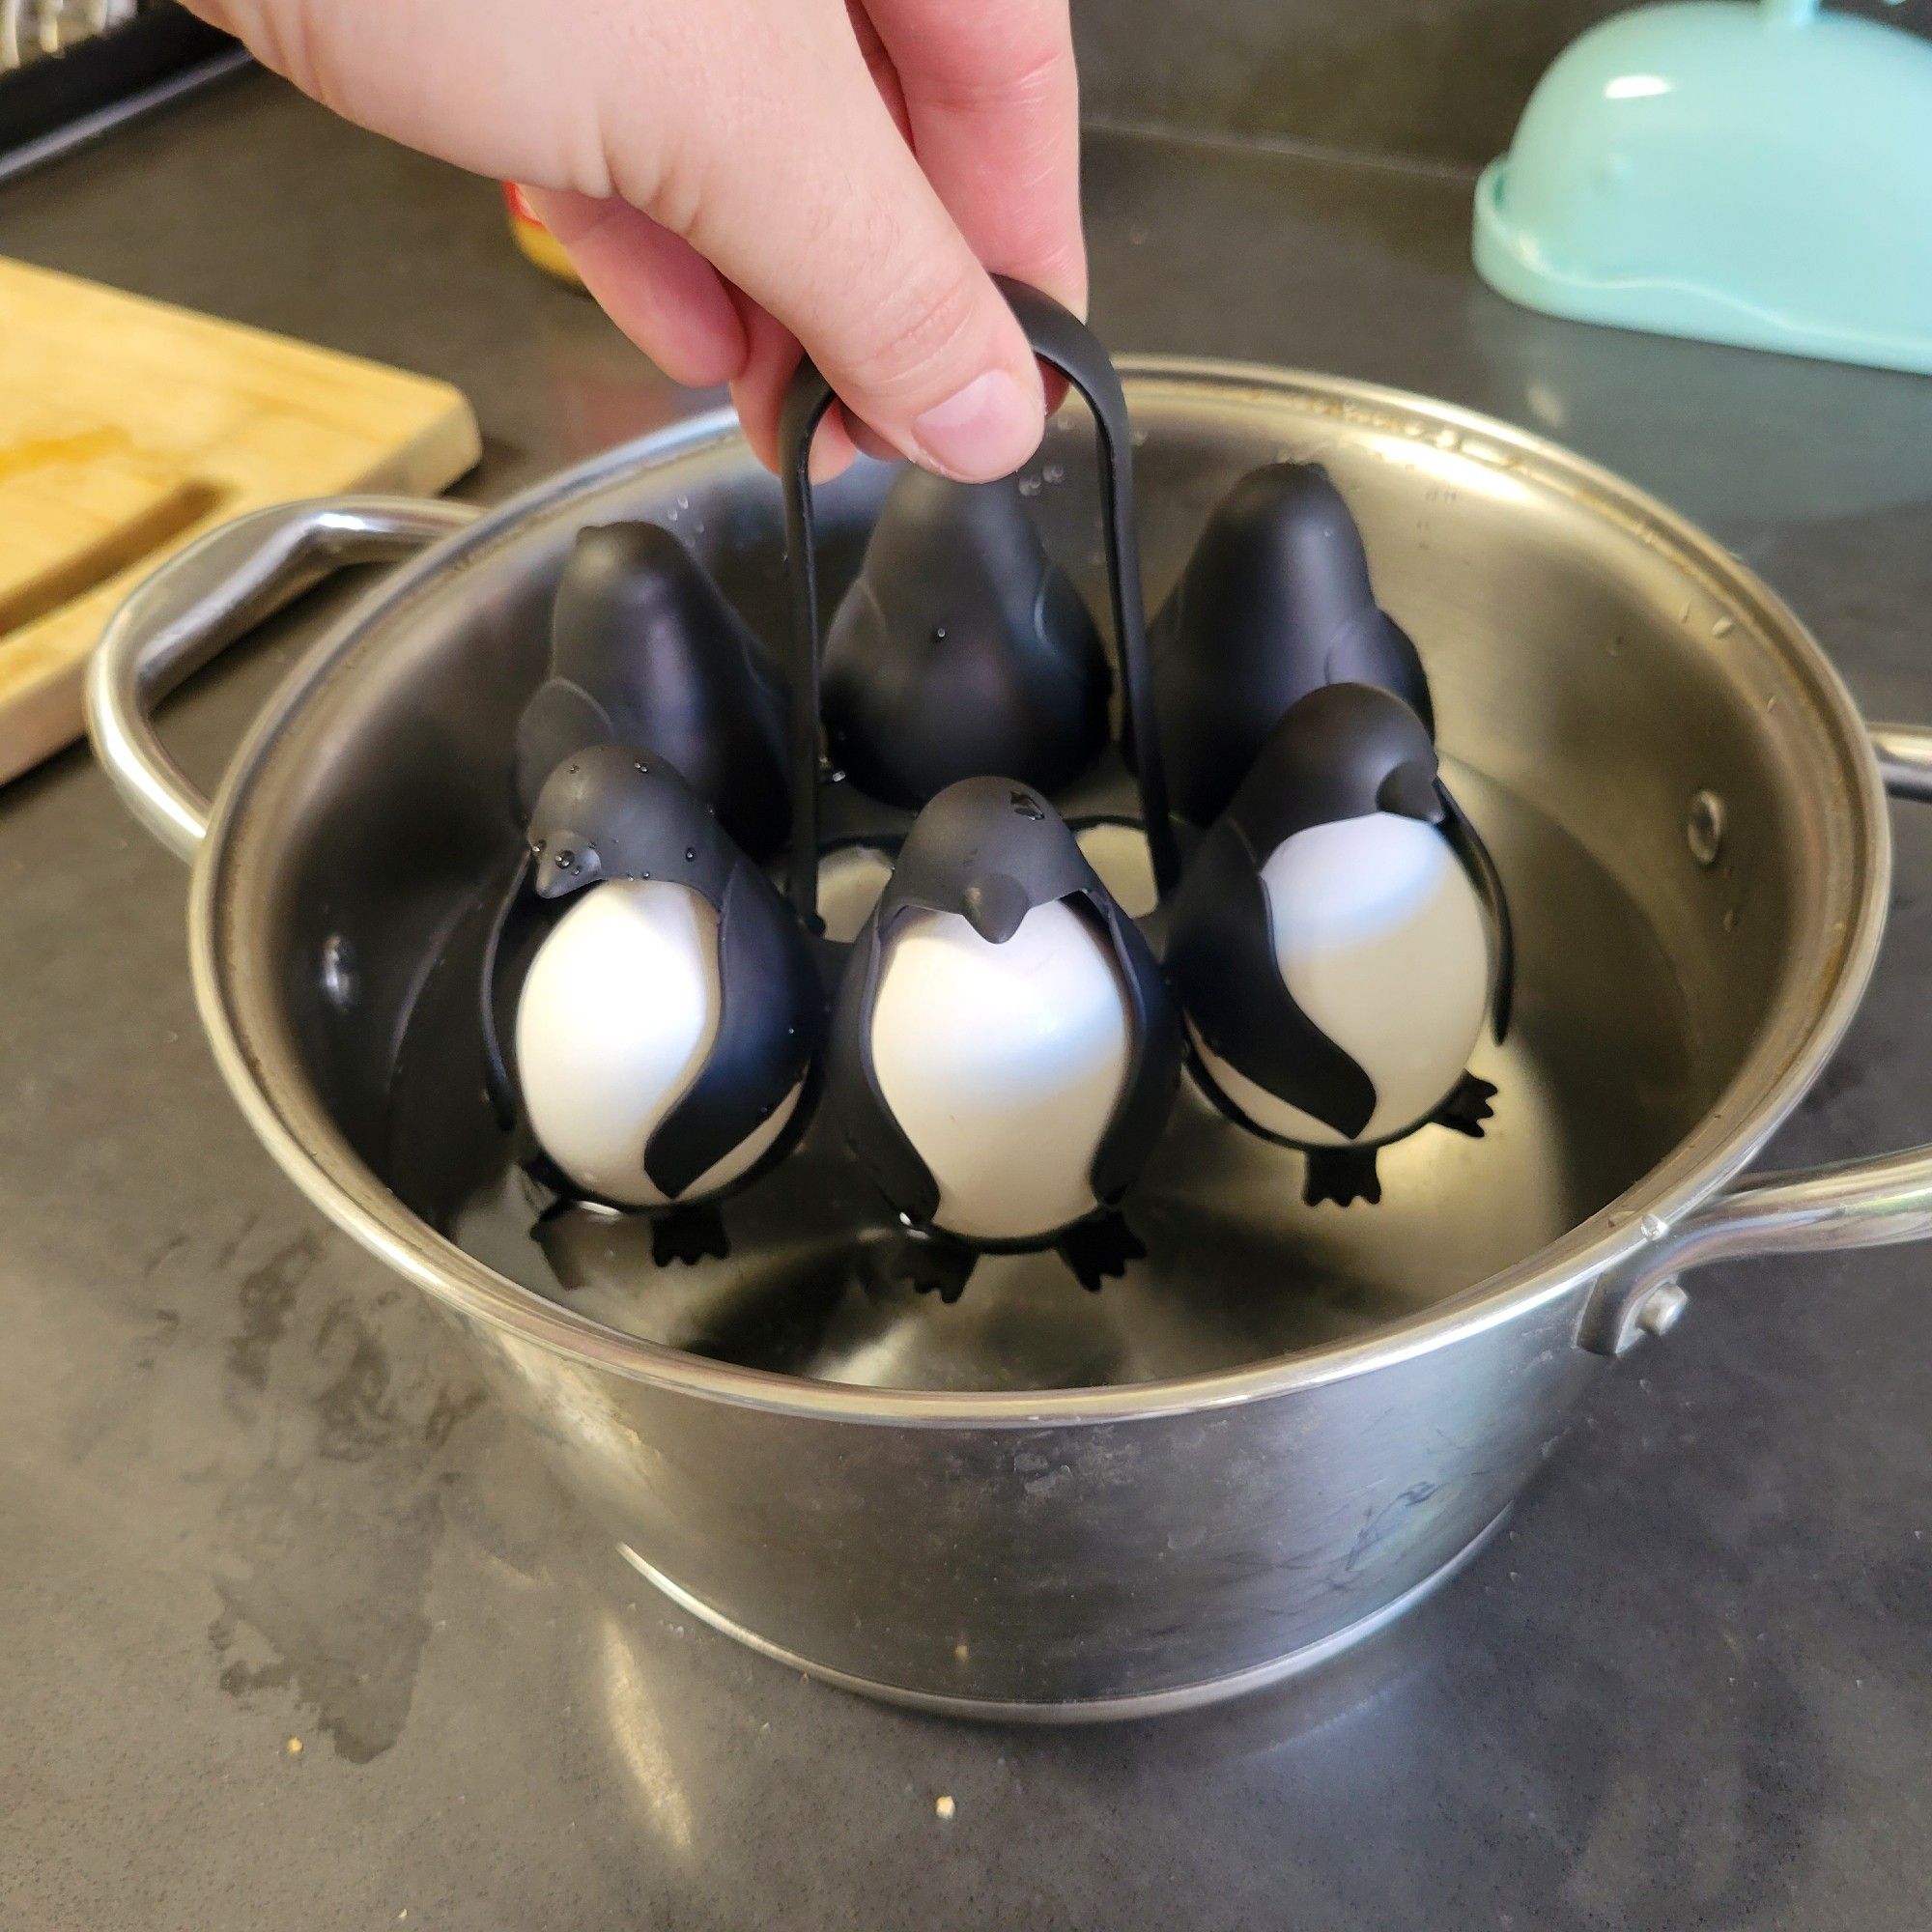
{"x":1751,"y":174}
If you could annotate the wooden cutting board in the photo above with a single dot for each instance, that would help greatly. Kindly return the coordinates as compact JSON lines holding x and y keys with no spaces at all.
{"x":128,"y":428}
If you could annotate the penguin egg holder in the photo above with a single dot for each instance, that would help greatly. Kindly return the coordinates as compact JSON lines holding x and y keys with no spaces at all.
{"x":1003,"y":1048}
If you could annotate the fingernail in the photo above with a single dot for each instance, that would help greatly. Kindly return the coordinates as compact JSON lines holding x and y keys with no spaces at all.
{"x":988,"y":429}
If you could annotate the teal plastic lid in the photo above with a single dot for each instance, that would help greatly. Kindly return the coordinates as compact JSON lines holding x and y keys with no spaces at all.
{"x":1749,"y":174}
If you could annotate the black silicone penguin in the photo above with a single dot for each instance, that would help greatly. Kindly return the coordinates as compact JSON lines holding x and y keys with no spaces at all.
{"x":1004,"y":1053}
{"x":1274,"y":603}
{"x":665,"y":1023}
{"x":645,"y":651}
{"x":961,"y":648}
{"x":1338,"y":941}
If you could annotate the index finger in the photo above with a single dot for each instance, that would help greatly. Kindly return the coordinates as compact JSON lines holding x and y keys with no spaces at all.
{"x":994,"y":106}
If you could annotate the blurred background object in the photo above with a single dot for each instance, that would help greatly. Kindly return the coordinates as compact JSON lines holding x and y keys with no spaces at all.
{"x":535,"y":240}
{"x":1439,"y":81}
{"x":1754,"y":175}
{"x":70,"y":69}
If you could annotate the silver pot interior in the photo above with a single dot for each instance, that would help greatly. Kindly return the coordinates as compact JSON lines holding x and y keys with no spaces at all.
{"x":1662,"y":764}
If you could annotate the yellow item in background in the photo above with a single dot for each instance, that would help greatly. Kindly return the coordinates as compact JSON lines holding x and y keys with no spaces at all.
{"x":535,"y":240}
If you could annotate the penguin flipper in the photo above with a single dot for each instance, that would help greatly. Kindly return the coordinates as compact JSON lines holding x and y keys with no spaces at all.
{"x":1467,"y":1107}
{"x":689,"y":1234}
{"x":1342,"y":1174}
{"x":1404,"y":675}
{"x":497,"y":1083}
{"x":1373,"y":648}
{"x":763,"y":1045}
{"x":1099,"y":1246}
{"x":560,"y":719}
{"x":874,"y":1135}
{"x":1469,"y":848}
{"x":1155,"y":1055}
{"x":1222,"y":960}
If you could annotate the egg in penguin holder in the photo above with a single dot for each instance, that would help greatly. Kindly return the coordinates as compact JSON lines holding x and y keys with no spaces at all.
{"x":664,"y":1027}
{"x":1339,"y":940}
{"x":645,"y":651}
{"x":1273,"y":603}
{"x":1003,"y":1052}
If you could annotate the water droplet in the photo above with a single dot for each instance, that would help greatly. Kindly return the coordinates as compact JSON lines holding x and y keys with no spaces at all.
{"x":1054,"y":472}
{"x":573,"y":764}
{"x":1618,"y":646}
{"x":536,"y":848}
{"x":1722,"y":628}
{"x":566,"y":860}
{"x":1447,"y":439}
{"x":643,"y":875}
{"x":1655,"y":1226}
{"x":1730,"y":918}
{"x":1137,"y":234}
{"x":939,"y":634}
{"x":1029,"y":486}
{"x":1138,"y":438}
{"x":641,"y":766}
{"x":683,"y":502}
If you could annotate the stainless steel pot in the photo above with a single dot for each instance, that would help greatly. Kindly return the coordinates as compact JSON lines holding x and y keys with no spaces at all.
{"x":1246,"y":1457}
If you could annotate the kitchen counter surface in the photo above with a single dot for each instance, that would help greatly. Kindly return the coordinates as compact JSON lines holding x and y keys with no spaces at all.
{"x":298,"y":1633}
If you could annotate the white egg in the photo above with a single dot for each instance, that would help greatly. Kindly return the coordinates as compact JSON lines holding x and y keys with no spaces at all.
{"x":616,"y":1016}
{"x":1380,"y":938}
{"x":1004,"y":1064}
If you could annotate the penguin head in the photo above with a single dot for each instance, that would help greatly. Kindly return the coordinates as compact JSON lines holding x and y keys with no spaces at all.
{"x":961,"y":648}
{"x":1282,"y":547}
{"x":645,"y":650}
{"x":622,"y":580}
{"x":990,"y":850}
{"x":1344,"y":750}
{"x":610,"y":812}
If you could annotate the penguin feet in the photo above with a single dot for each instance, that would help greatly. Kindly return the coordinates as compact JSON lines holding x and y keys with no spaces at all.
{"x":932,"y":1262}
{"x":1342,"y":1174}
{"x":1099,"y":1246}
{"x":1467,"y":1107}
{"x":689,"y":1234}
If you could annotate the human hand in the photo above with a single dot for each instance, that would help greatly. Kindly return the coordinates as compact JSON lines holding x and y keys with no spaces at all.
{"x":733,"y":178}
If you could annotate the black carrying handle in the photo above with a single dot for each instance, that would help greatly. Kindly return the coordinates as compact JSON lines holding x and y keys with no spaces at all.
{"x":1062,"y":339}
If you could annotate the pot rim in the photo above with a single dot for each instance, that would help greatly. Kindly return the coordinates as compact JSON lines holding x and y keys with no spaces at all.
{"x":1780,"y":1067}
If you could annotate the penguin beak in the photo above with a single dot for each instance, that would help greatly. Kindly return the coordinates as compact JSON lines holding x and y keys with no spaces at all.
{"x":994,"y":905}
{"x":1409,"y":791}
{"x":565,"y":863}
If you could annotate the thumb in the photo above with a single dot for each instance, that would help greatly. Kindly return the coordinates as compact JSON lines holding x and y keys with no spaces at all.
{"x":822,"y":216}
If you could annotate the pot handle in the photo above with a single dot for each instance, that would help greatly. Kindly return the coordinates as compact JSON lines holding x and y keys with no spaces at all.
{"x":200,"y":602}
{"x":1853,"y":1204}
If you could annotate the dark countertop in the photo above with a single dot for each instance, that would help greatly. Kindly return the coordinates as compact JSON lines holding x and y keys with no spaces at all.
{"x":250,"y":1493}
